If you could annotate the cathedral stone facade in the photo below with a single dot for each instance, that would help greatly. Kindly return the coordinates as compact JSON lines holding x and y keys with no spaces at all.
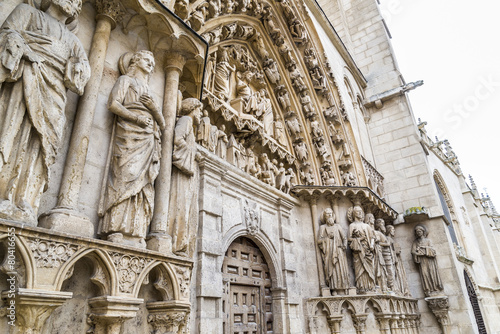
{"x":220,"y":166}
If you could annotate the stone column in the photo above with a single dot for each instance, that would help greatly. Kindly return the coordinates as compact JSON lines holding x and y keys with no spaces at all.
{"x":280,"y":315}
{"x":159,"y":239}
{"x":33,"y":307}
{"x":65,"y":216}
{"x":108,"y":313}
{"x":394,"y":325}
{"x":168,"y":317}
{"x":325,"y":290}
{"x":359,"y":322}
{"x":334,"y":324}
{"x":383,"y":323}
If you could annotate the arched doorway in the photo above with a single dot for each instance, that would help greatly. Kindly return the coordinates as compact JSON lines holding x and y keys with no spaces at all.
{"x":247,"y":302}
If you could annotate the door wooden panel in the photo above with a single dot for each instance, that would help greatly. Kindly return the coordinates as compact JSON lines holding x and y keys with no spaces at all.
{"x":247,"y":302}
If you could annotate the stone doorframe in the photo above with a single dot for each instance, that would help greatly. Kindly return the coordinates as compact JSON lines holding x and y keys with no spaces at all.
{"x":218,"y":177}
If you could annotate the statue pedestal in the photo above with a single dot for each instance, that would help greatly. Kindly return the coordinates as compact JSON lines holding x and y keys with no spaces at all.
{"x":67,"y":220}
{"x":160,"y":242}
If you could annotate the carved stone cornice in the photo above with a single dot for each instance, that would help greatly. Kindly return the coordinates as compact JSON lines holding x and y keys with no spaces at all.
{"x":363,"y":195}
{"x":110,"y":9}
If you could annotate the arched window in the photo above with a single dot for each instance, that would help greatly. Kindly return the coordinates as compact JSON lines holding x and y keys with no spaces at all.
{"x":475,"y":304}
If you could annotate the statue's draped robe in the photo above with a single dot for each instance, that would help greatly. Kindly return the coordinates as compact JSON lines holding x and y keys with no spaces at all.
{"x":183,"y":191}
{"x":331,"y":240}
{"x":425,"y":255}
{"x":221,"y":80}
{"x":134,"y":165}
{"x":360,"y":238}
{"x":33,"y":99}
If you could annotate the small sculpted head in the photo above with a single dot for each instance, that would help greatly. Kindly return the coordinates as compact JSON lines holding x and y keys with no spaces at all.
{"x":370,"y":219}
{"x":390,"y":230}
{"x":192,"y":107}
{"x":420,"y":231}
{"x":380,"y":225}
{"x":328,"y":217}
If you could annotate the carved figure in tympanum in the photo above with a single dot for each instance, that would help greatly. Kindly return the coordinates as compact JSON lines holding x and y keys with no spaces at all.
{"x":223,"y":72}
{"x":40,"y":59}
{"x":134,"y":161}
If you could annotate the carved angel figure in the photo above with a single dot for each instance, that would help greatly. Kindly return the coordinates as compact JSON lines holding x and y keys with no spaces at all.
{"x":361,"y":242}
{"x":424,"y":255}
{"x":135,"y":152}
{"x":333,"y":244}
{"x":39,"y":60}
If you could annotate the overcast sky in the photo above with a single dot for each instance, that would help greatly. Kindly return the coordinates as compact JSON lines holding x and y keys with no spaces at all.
{"x":454,"y":46}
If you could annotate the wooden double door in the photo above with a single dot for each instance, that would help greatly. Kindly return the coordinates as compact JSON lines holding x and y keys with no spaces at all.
{"x":247,"y":302}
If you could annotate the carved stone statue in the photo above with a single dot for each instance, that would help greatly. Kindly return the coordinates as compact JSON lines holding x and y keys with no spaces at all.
{"x":333,"y":244}
{"x":301,"y":151}
{"x":424,"y":255}
{"x":387,"y":254}
{"x":361,"y":242}
{"x":183,"y":192}
{"x":281,"y":177}
{"x":223,"y":72}
{"x":39,"y":60}
{"x":222,"y":141}
{"x":269,"y":170}
{"x":203,"y":131}
{"x":400,"y":280}
{"x":290,"y":175}
{"x":279,"y":132}
{"x":348,"y":179}
{"x":378,"y":260}
{"x":214,"y":138}
{"x":294,"y":127}
{"x":271,"y":70}
{"x":128,"y":202}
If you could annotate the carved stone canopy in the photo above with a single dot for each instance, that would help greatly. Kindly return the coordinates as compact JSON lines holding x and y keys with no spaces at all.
{"x":167,"y":33}
{"x":363,"y":195}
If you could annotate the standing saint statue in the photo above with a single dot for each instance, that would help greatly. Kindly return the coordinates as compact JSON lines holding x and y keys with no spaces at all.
{"x":424,"y":255}
{"x":183,"y":192}
{"x":361,"y":242}
{"x":333,"y":244}
{"x":378,"y":260}
{"x":39,"y":60}
{"x":400,"y":281}
{"x":134,"y":163}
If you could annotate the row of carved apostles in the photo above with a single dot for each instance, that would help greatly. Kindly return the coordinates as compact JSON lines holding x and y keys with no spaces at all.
{"x":376,"y":257}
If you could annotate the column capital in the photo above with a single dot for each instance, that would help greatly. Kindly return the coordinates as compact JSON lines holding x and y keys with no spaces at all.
{"x":174,"y":60}
{"x":110,"y":10}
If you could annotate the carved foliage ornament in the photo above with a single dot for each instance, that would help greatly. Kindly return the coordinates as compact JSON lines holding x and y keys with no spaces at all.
{"x":50,"y":254}
{"x":129,"y":268}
